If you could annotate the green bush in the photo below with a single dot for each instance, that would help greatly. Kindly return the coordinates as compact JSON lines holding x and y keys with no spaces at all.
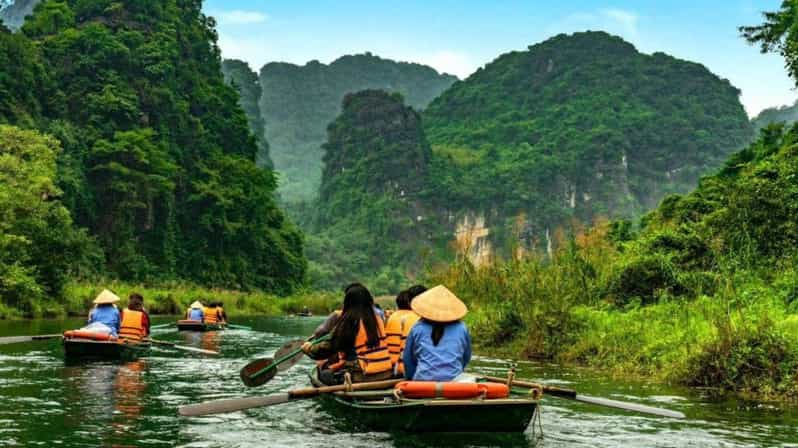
{"x":645,"y":277}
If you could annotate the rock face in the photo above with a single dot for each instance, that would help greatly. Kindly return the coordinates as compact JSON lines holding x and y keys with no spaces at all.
{"x":13,"y":12}
{"x":576,"y":127}
{"x":299,"y":102}
{"x":239,"y":75}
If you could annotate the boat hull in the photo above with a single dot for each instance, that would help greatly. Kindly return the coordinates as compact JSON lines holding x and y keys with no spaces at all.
{"x":511,"y":415}
{"x":183,"y":325}
{"x":87,"y":349}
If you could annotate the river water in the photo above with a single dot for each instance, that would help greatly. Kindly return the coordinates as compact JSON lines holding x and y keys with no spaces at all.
{"x":48,"y":403}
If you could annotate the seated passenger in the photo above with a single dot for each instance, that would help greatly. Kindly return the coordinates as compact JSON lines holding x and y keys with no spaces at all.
{"x":195,"y":312}
{"x":104,"y":318}
{"x":222,"y":314}
{"x":399,"y":325}
{"x":135,"y":324}
{"x":438,"y":347}
{"x":358,"y":340}
{"x":211,"y":314}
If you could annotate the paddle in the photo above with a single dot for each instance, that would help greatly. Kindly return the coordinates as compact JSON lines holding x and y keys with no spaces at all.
{"x":238,"y":327}
{"x":261,"y":371}
{"x":18,"y":339}
{"x":573,"y":395}
{"x":155,"y":327}
{"x":183,"y":347}
{"x":239,"y":404}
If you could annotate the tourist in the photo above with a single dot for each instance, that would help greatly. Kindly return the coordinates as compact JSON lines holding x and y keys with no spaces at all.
{"x":399,"y":325}
{"x":104,"y":318}
{"x":195,"y":311}
{"x":135,"y":322}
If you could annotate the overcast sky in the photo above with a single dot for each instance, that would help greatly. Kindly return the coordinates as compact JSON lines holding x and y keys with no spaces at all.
{"x":458,"y":36}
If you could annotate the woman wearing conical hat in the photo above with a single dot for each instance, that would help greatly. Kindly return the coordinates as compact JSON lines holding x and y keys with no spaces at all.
{"x":438,"y":347}
{"x":196,"y":311}
{"x":105,"y":312}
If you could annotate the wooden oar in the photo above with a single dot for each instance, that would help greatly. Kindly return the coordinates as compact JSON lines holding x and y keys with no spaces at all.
{"x":238,"y":327}
{"x":155,"y":327}
{"x":239,"y":404}
{"x":574,"y":395}
{"x":261,"y":371}
{"x":18,"y":339}
{"x":183,"y":347}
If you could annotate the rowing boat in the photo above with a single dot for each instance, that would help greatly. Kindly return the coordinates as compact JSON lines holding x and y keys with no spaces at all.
{"x":77,"y":348}
{"x":197,"y":325}
{"x":382,"y":411}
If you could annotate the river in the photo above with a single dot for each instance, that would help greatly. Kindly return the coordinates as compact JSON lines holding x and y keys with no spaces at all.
{"x":48,"y":403}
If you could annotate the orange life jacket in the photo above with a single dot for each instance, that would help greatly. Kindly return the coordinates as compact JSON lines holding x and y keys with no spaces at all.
{"x":396,"y":330}
{"x":132,"y":326}
{"x":372,"y":360}
{"x":211,"y":316}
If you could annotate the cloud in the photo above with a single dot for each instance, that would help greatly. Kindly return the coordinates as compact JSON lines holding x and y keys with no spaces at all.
{"x":626,"y":19}
{"x":240,"y":17}
{"x":613,"y":20}
{"x":448,"y":61}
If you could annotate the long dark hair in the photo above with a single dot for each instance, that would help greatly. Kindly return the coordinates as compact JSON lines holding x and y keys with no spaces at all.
{"x":358,"y":307}
{"x":437,"y":332}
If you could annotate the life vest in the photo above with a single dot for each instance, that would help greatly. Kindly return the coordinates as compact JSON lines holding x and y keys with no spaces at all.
{"x":396,"y":330}
{"x":132,"y":326}
{"x":210,"y":315}
{"x":371,"y":360}
{"x":452,"y":390}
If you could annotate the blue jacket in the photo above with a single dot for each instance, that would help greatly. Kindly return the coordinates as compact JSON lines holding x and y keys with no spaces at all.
{"x":106,"y":314}
{"x":196,"y":314}
{"x":426,"y":362}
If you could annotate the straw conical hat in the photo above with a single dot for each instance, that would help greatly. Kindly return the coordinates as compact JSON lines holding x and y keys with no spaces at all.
{"x":106,"y":297}
{"x":196,"y":304}
{"x":439,"y":305}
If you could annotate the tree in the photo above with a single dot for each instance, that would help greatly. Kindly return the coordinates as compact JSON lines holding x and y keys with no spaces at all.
{"x":779,"y":34}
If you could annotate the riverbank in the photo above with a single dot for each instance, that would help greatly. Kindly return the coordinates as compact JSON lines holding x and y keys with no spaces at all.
{"x":174,"y":298}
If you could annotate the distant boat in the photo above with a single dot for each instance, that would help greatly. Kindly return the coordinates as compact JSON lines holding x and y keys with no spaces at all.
{"x":197,"y":325}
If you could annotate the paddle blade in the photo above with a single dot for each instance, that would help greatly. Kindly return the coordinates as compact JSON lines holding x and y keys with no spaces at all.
{"x":634,"y":407}
{"x":248,"y":372}
{"x":286,"y":350}
{"x":19,"y":339}
{"x":232,"y":405}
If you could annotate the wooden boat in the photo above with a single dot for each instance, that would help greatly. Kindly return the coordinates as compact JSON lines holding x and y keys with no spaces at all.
{"x":77,"y":348}
{"x":197,"y":325}
{"x":381,"y":411}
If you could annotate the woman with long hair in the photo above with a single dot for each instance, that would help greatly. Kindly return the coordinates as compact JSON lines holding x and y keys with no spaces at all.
{"x":358,"y":341}
{"x":438,"y":347}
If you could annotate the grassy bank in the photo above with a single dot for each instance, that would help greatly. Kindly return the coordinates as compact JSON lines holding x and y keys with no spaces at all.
{"x":591,"y":303}
{"x":174,"y":298}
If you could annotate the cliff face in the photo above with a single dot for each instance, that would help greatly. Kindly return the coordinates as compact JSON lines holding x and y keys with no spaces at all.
{"x":299,"y":102}
{"x":13,"y":12}
{"x":245,"y":81}
{"x":577,"y":127}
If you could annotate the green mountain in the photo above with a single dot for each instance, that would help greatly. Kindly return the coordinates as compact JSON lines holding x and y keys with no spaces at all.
{"x":576,"y":127}
{"x":783,"y":114}
{"x":299,"y":102}
{"x":242,"y":78}
{"x":155,"y":160}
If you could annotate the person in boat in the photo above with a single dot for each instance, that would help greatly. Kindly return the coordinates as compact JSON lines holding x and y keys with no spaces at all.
{"x":438,"y":347}
{"x":104,"y":317}
{"x":211,"y":313}
{"x":357,"y":345}
{"x":135,"y":322}
{"x":220,"y":311}
{"x":327,"y":326}
{"x":399,"y":325}
{"x":195,"y":311}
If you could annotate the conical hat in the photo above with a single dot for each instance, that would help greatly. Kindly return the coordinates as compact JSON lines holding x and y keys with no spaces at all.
{"x":106,"y":297}
{"x":196,"y":304}
{"x":439,"y":305}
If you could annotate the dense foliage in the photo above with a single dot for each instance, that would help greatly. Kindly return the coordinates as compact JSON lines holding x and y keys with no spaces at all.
{"x":369,"y":220}
{"x":158,"y":162}
{"x":242,"y":78}
{"x":299,"y":102}
{"x":579,"y":126}
{"x":773,"y":115}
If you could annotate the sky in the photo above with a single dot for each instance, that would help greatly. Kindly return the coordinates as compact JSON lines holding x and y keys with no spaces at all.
{"x":459,"y":36}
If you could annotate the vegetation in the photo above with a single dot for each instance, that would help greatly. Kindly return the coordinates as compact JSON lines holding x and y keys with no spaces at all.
{"x":299,"y":102}
{"x":242,"y":78}
{"x":773,"y":115}
{"x":578,"y":126}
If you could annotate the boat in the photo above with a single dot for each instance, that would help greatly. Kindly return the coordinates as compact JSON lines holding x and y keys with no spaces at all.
{"x":382,"y":411}
{"x":78,"y":348}
{"x":197,"y":325}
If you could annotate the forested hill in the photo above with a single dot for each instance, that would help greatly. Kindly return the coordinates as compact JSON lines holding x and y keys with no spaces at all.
{"x":156,"y":159}
{"x":238,"y":74}
{"x":299,"y":102}
{"x":783,"y":114}
{"x":578,"y":126}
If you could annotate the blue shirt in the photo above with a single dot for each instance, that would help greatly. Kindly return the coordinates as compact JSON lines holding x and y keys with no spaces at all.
{"x":427,"y":362}
{"x":196,"y":314}
{"x":380,"y":313}
{"x":106,"y":314}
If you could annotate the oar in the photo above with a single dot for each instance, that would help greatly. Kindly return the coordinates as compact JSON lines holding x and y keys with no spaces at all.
{"x":260,"y":371}
{"x":239,"y":404}
{"x":183,"y":347}
{"x":18,"y":339}
{"x":155,"y":327}
{"x":573,"y":395}
{"x":238,"y":327}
